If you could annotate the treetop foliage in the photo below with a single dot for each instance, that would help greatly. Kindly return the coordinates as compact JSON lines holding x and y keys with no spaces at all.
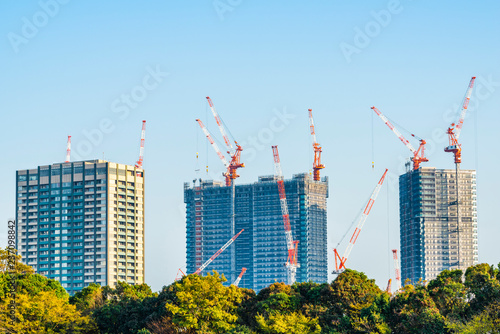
{"x":454,"y":302}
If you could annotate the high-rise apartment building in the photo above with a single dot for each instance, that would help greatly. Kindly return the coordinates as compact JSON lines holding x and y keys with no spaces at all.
{"x":431,"y":239}
{"x":82,"y":222}
{"x":261,"y":248}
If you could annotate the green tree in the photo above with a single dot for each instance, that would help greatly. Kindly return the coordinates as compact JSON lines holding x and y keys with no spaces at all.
{"x":449,"y":294}
{"x":203,"y":304}
{"x":11,"y":262}
{"x":485,"y":322}
{"x":351,"y":292}
{"x":483,"y":287}
{"x":414,"y":311}
{"x":88,"y":299}
{"x":293,"y":323}
{"x":41,"y":306}
{"x":124,"y":309}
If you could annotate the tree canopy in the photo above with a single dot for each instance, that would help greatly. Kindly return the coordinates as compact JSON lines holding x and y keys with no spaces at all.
{"x":452,"y":303}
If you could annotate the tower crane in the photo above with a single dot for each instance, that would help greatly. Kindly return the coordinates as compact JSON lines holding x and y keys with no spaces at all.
{"x":292,"y":245}
{"x":396,"y":269}
{"x":456,"y":128}
{"x":243,"y":270}
{"x":138,"y":164}
{"x":317,"y":165}
{"x":214,"y":145}
{"x":223,"y":248}
{"x":231,"y":169}
{"x":68,"y":149}
{"x":340,"y":261}
{"x":454,"y":147}
{"x":418,"y":155}
{"x":235,"y":154}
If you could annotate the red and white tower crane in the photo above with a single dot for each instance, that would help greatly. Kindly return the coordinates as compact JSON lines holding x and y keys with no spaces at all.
{"x":292,"y":245}
{"x":243,"y":270}
{"x":214,"y":145}
{"x":340,"y":261}
{"x":138,"y":164}
{"x":418,"y":155}
{"x":397,"y":270}
{"x":454,"y":147}
{"x":204,"y":265}
{"x":231,"y":168}
{"x":456,"y":128}
{"x":235,"y":154}
{"x":68,"y":149}
{"x":317,"y":165}
{"x":218,"y":120}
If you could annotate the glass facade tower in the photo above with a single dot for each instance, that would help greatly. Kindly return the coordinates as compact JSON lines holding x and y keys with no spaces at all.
{"x":431,"y":239}
{"x":82,"y":222}
{"x":261,"y":248}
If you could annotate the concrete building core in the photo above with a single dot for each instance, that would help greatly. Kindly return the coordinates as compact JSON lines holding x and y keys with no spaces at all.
{"x":431,"y":240}
{"x":82,"y":222}
{"x":261,"y":248}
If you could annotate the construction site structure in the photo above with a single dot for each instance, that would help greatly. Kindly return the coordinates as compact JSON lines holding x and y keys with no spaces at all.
{"x":317,"y":165}
{"x":291,"y":262}
{"x":262,"y":248}
{"x":428,"y":222}
{"x":389,"y":284}
{"x":180,"y":274}
{"x":454,"y":147}
{"x":397,"y":270}
{"x":418,"y":155}
{"x":231,"y":170}
{"x":237,"y":282}
{"x":223,"y":248}
{"x":139,"y":162}
{"x":68,"y":150}
{"x":340,"y":261}
{"x":456,"y":128}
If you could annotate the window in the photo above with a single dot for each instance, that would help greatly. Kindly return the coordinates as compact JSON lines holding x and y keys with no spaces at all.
{"x":21,"y":177}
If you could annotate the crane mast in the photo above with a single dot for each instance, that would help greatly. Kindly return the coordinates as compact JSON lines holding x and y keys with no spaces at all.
{"x":317,"y":165}
{"x":454,"y":147}
{"x":292,"y":245}
{"x":204,"y":265}
{"x":340,"y":261}
{"x":138,"y":164}
{"x":68,"y":149}
{"x":397,"y":270}
{"x":418,"y":155}
{"x":243,"y":270}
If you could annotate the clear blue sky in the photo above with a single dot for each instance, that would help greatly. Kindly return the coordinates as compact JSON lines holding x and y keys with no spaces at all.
{"x":65,"y":73}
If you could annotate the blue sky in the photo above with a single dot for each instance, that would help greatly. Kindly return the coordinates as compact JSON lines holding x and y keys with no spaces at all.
{"x":263,"y":64}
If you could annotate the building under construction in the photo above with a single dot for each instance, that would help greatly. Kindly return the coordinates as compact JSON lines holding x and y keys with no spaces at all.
{"x":431,"y":240}
{"x":262,"y":247}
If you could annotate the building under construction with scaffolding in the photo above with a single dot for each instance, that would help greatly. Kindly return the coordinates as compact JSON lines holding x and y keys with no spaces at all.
{"x":431,"y":239}
{"x":261,"y":248}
